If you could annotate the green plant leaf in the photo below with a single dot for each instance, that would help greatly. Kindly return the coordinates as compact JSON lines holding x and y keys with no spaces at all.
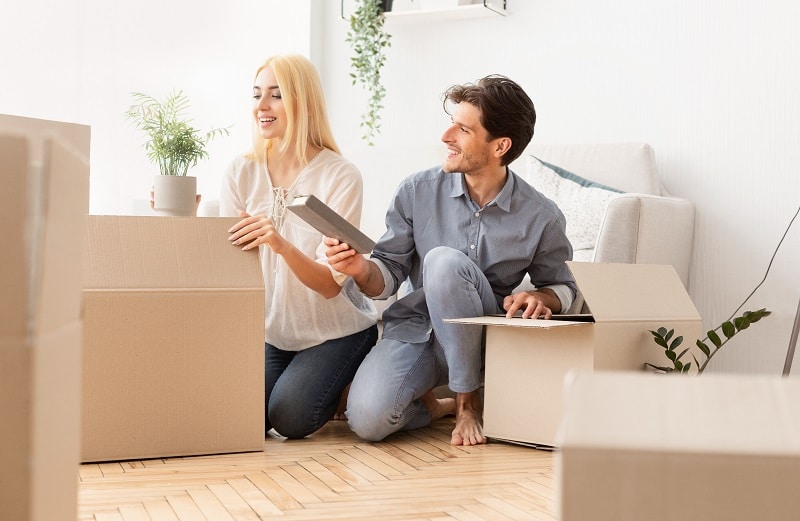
{"x":714,"y":337}
{"x":741,"y":323}
{"x":660,"y":341}
{"x":671,"y":355}
{"x":669,"y":335}
{"x":704,"y":348}
{"x":755,"y":316}
{"x":675,"y":343}
{"x":728,"y":329}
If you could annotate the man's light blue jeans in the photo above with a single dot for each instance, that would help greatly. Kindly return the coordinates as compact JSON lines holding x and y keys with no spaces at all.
{"x":384,"y":395}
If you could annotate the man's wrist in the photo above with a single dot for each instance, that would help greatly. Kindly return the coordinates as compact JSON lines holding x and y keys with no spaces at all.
{"x":366,"y":279}
{"x":549,"y":298}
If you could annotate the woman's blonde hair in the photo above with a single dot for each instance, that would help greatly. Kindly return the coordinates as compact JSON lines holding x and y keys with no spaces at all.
{"x":304,"y":102}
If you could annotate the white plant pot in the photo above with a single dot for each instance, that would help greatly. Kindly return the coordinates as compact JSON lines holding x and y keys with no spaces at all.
{"x":175,"y":195}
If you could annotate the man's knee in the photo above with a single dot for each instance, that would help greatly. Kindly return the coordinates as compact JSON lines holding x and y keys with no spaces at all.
{"x":441,"y":263}
{"x":369,"y":419}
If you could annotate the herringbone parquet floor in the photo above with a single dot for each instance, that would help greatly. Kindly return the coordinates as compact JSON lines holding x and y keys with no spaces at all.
{"x":332,"y":475}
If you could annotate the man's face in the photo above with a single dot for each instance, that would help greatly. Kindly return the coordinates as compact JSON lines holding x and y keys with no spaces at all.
{"x":468,"y":145}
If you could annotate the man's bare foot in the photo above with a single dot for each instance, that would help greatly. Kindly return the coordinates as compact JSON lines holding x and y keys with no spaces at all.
{"x":469,"y":420}
{"x":438,"y":407}
{"x":340,"y":411}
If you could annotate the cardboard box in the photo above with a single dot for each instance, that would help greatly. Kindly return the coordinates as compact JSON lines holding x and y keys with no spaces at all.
{"x":679,"y":448}
{"x":173,"y":360}
{"x":44,"y":166}
{"x":527,"y":360}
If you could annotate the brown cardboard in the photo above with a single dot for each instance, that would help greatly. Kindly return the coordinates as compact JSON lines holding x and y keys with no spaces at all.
{"x":679,"y":448}
{"x":174,"y":340}
{"x":527,"y":360}
{"x":45,"y":170}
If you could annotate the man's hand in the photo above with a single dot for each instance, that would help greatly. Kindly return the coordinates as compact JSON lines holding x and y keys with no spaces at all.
{"x":255,"y":230}
{"x":345,"y":259}
{"x":535,"y":304}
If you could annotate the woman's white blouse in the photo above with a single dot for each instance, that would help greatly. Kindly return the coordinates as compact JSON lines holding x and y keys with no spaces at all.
{"x":296,"y":316}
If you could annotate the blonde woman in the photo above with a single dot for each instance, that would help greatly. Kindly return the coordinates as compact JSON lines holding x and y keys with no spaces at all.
{"x":318,"y":326}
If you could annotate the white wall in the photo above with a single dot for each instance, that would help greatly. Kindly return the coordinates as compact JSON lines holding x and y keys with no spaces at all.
{"x":80,"y":60}
{"x":711,"y":85}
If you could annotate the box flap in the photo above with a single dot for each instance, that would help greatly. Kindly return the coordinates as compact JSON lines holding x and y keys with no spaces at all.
{"x":74,"y":136}
{"x":517,"y":322}
{"x":182,"y":252}
{"x":633,"y":292}
{"x":681,"y":413}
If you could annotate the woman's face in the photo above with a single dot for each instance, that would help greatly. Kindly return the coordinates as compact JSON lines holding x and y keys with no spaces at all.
{"x":268,"y":109}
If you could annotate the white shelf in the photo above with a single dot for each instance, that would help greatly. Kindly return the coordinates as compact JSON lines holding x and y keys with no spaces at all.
{"x":463,"y":12}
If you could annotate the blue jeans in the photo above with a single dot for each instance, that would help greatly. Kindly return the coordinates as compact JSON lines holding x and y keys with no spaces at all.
{"x":384,"y":395}
{"x":303,"y":388}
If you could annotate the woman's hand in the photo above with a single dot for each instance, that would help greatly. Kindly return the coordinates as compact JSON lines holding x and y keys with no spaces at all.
{"x":253,"y":231}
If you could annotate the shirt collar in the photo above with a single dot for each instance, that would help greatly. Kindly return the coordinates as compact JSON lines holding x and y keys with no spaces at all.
{"x":503,"y":199}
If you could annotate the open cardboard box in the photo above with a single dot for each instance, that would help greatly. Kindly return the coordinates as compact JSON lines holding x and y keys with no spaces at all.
{"x":173,"y":360}
{"x":527,"y":360}
{"x":638,"y":446}
{"x":43,"y":203}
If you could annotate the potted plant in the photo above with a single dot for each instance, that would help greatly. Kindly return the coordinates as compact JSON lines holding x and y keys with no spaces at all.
{"x":175,"y":146}
{"x":369,"y":39}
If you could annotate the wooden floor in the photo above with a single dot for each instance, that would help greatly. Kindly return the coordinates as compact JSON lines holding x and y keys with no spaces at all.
{"x":415,"y":475}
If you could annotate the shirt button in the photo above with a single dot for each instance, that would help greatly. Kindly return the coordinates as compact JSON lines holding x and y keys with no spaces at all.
{"x":471,"y":246}
{"x":477,"y":214}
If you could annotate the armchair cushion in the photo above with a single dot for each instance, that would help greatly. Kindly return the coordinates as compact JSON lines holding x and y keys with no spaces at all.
{"x":582,"y":201}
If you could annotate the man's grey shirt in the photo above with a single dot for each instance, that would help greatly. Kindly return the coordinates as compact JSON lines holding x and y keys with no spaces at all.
{"x":520,"y":232}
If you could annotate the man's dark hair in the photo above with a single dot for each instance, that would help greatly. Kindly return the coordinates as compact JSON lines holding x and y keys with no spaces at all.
{"x":506,"y":110}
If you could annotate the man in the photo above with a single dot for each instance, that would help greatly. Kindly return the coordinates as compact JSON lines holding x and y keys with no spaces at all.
{"x":464,"y":235}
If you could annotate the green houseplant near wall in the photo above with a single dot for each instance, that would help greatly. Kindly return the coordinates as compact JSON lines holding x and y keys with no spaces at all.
{"x":369,"y":40}
{"x":175,"y":146}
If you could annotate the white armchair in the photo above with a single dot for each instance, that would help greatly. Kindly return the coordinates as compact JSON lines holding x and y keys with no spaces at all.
{"x":642,"y":225}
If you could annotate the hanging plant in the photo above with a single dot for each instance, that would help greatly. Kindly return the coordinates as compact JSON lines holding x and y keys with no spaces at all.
{"x":369,"y":40}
